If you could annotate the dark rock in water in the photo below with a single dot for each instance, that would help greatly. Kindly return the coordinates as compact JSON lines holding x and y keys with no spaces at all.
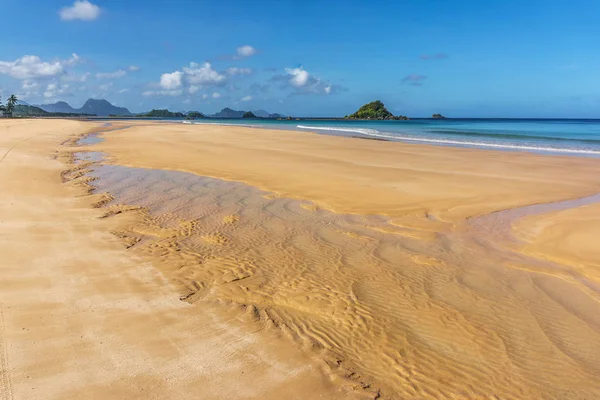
{"x":248,"y":114}
{"x":438,"y":116}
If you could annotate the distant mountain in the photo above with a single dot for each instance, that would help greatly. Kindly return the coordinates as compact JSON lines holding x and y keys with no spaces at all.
{"x":194,"y":115}
{"x":60,"y":107}
{"x":266,"y":114}
{"x":27,"y":110}
{"x":23,"y":110}
{"x":22,"y":103}
{"x":261,"y":113}
{"x":100,"y":108}
{"x":229,"y":113}
{"x":162,"y":114}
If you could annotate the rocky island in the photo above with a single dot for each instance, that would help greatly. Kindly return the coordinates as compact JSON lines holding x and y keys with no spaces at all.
{"x":438,"y":116}
{"x":375,"y":111}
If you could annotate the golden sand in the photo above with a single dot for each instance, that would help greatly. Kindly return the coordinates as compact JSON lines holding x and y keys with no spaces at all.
{"x":570,"y":237}
{"x":82,"y":318}
{"x":350,"y":175}
{"x":384,"y":269}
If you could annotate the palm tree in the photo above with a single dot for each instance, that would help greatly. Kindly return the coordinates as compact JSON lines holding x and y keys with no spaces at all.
{"x":2,"y":109}
{"x":10,"y":105}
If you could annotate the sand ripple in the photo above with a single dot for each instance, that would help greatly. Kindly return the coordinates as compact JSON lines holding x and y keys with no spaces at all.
{"x":394,"y":315}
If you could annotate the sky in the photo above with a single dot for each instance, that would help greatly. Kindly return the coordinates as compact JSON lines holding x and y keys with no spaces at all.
{"x":462,"y":58}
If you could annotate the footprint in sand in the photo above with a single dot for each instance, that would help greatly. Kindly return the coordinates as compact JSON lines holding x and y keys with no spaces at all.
{"x":231,"y":219}
{"x":309,"y":206}
{"x":215,"y":238}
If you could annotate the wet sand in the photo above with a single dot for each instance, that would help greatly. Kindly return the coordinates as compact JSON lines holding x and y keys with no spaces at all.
{"x":570,"y":236}
{"x":83,"y":318}
{"x":403,"y":181}
{"x":397,"y":262}
{"x":386,"y":270}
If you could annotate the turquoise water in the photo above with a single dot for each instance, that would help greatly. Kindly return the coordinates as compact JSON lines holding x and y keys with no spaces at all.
{"x":569,"y":137}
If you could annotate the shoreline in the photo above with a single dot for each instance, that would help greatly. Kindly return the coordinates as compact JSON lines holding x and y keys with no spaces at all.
{"x":349,"y":128}
{"x":403,"y":137}
{"x":472,"y":163}
{"x":84,"y":318}
{"x":340,"y":312}
{"x":413,"y":305}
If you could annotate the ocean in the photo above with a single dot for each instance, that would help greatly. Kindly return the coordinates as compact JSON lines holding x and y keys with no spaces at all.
{"x":556,"y":136}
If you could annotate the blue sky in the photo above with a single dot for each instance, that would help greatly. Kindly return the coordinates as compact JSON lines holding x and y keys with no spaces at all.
{"x":310,"y":58}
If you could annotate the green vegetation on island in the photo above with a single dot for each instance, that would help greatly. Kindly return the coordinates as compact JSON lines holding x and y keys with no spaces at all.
{"x":170,"y":114}
{"x":194,"y":115}
{"x":248,"y":114}
{"x":162,"y":114}
{"x":375,"y":111}
{"x":438,"y":116}
{"x":29,"y":111}
{"x":23,"y":110}
{"x":8,"y":109}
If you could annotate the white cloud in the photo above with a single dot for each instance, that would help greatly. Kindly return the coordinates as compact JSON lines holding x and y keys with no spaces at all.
{"x":29,"y":89}
{"x":83,"y":10}
{"x":123,"y":90}
{"x":190,"y":79}
{"x":54,"y":89}
{"x":238,"y":71}
{"x":32,"y":67}
{"x":203,"y":74}
{"x":75,"y":59}
{"x":29,"y":85}
{"x":171,"y":81}
{"x":76,"y":78}
{"x":106,"y":87}
{"x":149,"y":93}
{"x":246,"y":51}
{"x":133,"y":68}
{"x":247,"y":98}
{"x":305,"y":83}
{"x":51,"y":90}
{"x":111,"y":75}
{"x":216,"y":95}
{"x":298,"y":76}
{"x":205,"y":96}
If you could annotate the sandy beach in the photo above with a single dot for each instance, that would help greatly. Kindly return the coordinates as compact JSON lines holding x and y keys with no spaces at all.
{"x":171,"y":260}
{"x":82,"y":318}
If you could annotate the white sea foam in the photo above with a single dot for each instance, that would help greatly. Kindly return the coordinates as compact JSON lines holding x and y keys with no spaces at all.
{"x":222,"y":123}
{"x":376,"y":133}
{"x":364,"y":131}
